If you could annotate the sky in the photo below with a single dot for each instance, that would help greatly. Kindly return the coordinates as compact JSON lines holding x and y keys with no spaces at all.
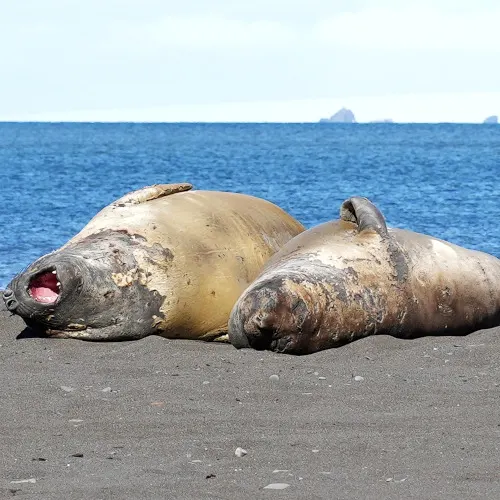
{"x":249,"y":60}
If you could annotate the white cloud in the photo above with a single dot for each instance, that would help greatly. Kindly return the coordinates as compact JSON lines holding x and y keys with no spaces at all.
{"x":200,"y":33}
{"x":401,"y":27}
{"x":125,"y":56}
{"x":412,"y":27}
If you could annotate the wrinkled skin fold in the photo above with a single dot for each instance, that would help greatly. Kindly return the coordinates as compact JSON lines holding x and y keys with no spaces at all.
{"x":354,"y":277}
{"x":165,"y":260}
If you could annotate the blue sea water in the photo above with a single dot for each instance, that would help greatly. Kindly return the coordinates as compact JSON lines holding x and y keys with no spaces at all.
{"x":437,"y":179}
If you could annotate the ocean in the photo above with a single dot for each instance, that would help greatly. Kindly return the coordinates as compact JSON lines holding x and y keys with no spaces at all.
{"x":439,"y":179}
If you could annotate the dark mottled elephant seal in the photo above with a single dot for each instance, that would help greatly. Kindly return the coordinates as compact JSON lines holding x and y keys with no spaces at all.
{"x":163,"y":260}
{"x":354,"y":277}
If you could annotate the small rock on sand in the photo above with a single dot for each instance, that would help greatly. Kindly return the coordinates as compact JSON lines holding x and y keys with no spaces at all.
{"x":276,"y":486}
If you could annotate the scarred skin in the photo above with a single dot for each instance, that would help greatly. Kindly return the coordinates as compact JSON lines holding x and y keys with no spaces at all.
{"x":354,"y":277}
{"x":163,"y":260}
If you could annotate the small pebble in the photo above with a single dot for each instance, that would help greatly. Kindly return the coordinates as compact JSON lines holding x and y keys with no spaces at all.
{"x":321,"y":378}
{"x":276,"y":486}
{"x":66,"y":388}
{"x":240,"y":452}
{"x":106,"y":389}
{"x":206,"y":382}
{"x":316,"y":373}
{"x":274,"y":378}
{"x":358,"y":378}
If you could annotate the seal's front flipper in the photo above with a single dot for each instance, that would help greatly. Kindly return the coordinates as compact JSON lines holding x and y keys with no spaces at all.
{"x":151,"y":193}
{"x":365,"y":214}
{"x":222,"y":338}
{"x":216,"y":335}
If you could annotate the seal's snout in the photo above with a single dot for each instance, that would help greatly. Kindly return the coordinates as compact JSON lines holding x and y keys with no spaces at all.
{"x":36,"y":294}
{"x":255,"y":321}
{"x":257,"y":326}
{"x":262,"y":329}
{"x":271,"y":316}
{"x":250,"y":324}
{"x":10,"y":300}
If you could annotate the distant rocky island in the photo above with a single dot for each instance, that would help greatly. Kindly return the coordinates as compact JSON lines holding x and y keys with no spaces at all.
{"x":343,"y":115}
{"x":491,"y":119}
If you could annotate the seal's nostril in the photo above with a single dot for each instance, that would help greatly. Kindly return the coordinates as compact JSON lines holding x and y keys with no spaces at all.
{"x":11,"y":304}
{"x":262,"y":333}
{"x":9,"y":299}
{"x":265,"y":322}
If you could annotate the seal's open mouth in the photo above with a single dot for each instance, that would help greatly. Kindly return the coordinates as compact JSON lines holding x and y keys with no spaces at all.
{"x":45,"y":287}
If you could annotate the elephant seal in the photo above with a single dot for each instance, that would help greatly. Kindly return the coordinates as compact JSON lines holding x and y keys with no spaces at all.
{"x":164,"y":260}
{"x":354,"y":277}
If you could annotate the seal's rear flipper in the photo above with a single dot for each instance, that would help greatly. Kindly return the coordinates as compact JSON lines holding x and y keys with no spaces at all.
{"x":151,"y":193}
{"x":365,"y":214}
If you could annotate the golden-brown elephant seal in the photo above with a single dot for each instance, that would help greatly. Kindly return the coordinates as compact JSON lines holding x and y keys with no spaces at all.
{"x":163,"y":260}
{"x":354,"y":277}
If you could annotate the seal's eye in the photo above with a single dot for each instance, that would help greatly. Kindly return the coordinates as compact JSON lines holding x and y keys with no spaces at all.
{"x":45,"y":287}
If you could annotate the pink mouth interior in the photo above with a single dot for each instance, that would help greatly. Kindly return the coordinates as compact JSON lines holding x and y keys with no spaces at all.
{"x":45,"y":288}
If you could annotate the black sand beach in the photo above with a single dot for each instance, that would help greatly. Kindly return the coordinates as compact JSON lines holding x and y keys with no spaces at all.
{"x":162,"y":419}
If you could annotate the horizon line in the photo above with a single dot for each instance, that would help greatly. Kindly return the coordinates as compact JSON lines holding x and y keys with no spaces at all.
{"x":187,"y":122}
